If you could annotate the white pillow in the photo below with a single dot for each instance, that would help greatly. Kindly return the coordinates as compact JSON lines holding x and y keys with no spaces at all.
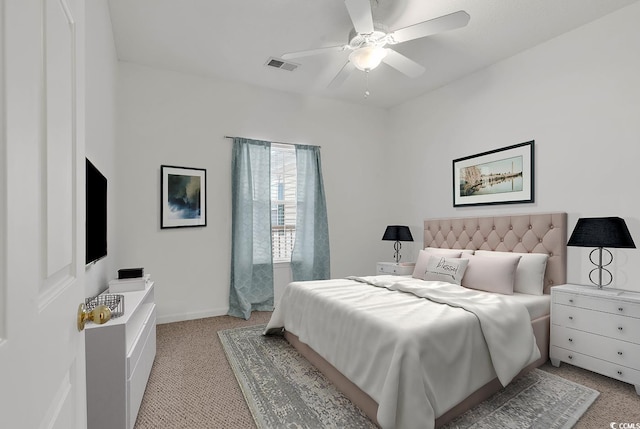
{"x":450,"y":270}
{"x":491,"y":274}
{"x":423,"y":259}
{"x":529,"y":273}
{"x":449,"y":251}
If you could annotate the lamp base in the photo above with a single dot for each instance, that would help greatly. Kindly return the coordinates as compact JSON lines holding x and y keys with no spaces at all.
{"x":397,"y":246}
{"x":600,"y":268}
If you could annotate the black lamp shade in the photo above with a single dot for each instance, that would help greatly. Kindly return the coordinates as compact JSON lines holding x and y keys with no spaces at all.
{"x":397,"y":233}
{"x":601,"y":232}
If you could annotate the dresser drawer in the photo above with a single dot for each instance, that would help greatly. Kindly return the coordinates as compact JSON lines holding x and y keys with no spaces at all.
{"x":609,"y":325}
{"x":139,"y":346}
{"x":137,"y":384}
{"x":609,"y":369}
{"x":609,"y":349}
{"x":607,"y":305}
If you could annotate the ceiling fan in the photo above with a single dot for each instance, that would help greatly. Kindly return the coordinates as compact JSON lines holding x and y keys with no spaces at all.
{"x":368,"y":41}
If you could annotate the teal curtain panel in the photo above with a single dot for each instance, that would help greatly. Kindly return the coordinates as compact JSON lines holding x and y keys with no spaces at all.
{"x":310,"y":256}
{"x":251,"y":286}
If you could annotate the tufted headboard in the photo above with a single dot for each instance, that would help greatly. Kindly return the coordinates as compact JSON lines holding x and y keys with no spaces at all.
{"x":533,"y":233}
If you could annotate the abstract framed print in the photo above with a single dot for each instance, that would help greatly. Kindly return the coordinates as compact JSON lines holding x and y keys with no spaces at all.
{"x":183,"y":200}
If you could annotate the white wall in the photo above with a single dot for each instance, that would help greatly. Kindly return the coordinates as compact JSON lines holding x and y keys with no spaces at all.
{"x":101,"y":74}
{"x":577,"y":96}
{"x":177,"y":119}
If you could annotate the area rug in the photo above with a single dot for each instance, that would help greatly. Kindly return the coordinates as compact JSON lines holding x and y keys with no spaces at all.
{"x":283,"y":390}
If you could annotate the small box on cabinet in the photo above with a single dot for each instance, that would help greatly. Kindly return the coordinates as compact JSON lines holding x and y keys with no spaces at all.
{"x":130,"y":273}
{"x":129,"y":285}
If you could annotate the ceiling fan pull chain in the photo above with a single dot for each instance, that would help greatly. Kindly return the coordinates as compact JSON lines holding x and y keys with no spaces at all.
{"x":366,"y":83}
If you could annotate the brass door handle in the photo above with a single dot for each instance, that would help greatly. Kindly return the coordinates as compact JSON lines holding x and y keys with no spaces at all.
{"x":98,"y":315}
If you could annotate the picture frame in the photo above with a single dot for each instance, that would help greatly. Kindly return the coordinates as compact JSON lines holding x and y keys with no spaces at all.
{"x":183,"y":197}
{"x":500,"y":176}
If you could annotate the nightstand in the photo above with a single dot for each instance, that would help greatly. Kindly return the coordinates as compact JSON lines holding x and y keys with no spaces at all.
{"x":597,"y":329}
{"x":394,"y":269}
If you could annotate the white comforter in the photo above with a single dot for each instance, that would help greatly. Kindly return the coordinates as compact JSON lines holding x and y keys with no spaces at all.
{"x":415,"y":357}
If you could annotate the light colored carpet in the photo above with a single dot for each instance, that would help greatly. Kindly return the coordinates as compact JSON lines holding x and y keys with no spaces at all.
{"x":284,"y":390}
{"x":192,"y":385}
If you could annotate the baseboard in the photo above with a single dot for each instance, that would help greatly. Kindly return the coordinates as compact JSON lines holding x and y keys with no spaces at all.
{"x":181,"y":317}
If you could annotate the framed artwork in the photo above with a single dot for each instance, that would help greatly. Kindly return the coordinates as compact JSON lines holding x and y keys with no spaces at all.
{"x":501,"y":176}
{"x":183,"y":200}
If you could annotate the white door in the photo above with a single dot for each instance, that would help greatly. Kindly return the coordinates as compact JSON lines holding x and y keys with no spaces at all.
{"x":42,"y":368}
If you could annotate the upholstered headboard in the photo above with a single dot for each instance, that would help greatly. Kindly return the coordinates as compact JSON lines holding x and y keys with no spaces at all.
{"x":533,"y":233}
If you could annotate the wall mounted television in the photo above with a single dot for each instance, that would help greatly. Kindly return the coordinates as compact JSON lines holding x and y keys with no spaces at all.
{"x":96,"y":214}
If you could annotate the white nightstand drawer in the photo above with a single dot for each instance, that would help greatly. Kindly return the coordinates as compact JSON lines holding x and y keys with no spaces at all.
{"x":610,"y":325}
{"x":609,"y":349}
{"x":618,"y":372}
{"x":393,"y":268}
{"x":605,"y":304}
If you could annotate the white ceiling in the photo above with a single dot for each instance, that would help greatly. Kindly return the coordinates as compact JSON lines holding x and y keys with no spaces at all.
{"x":233,"y":39}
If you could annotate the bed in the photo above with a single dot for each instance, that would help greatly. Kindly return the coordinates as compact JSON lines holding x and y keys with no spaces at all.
{"x":407,"y":361}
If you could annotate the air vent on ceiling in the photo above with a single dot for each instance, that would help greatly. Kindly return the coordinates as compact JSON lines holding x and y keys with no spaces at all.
{"x":281,"y":64}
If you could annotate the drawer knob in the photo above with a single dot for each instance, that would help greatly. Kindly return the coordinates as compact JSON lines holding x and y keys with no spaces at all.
{"x":570,"y":357}
{"x":570,"y":317}
{"x":570,"y":340}
{"x":620,"y":309}
{"x":571,"y":301}
{"x":619,"y":353}
{"x":619,"y":328}
{"x":619,"y":372}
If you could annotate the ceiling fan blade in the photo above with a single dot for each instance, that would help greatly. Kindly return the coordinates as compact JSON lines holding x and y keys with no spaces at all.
{"x":299,"y":54}
{"x":427,"y":28}
{"x":360,"y":13}
{"x":342,"y":75}
{"x":403,"y":64}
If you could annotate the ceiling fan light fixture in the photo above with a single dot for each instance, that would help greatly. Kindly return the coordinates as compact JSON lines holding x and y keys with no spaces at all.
{"x":368,"y":57}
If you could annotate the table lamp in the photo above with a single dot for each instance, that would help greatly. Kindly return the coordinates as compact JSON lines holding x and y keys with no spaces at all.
{"x":601,"y":232}
{"x":397,"y":233}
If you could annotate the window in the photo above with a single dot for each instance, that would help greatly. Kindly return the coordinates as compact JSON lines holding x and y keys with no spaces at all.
{"x":283,"y":200}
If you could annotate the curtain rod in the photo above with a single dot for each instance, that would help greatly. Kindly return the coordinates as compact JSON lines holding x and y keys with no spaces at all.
{"x":292,"y":144}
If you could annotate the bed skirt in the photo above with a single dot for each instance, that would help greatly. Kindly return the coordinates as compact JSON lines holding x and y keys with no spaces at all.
{"x":370,"y":407}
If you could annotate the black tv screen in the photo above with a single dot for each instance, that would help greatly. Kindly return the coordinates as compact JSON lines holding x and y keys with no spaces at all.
{"x":96,"y":215}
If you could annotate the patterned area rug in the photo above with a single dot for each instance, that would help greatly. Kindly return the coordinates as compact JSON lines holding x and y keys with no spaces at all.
{"x":283,"y":390}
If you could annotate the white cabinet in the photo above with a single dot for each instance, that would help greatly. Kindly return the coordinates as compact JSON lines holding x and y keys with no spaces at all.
{"x":119,"y":357}
{"x":597,"y":329}
{"x":394,"y":269}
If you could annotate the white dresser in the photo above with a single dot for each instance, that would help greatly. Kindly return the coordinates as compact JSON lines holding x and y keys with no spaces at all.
{"x":394,"y":269}
{"x":119,"y":356}
{"x":597,"y":329}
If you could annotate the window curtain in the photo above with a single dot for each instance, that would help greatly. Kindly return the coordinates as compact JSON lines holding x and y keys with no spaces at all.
{"x":251,"y":262}
{"x":310,"y":256}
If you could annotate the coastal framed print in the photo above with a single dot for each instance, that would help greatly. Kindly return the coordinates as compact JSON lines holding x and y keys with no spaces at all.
{"x":500,"y":176}
{"x":183,"y":199}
